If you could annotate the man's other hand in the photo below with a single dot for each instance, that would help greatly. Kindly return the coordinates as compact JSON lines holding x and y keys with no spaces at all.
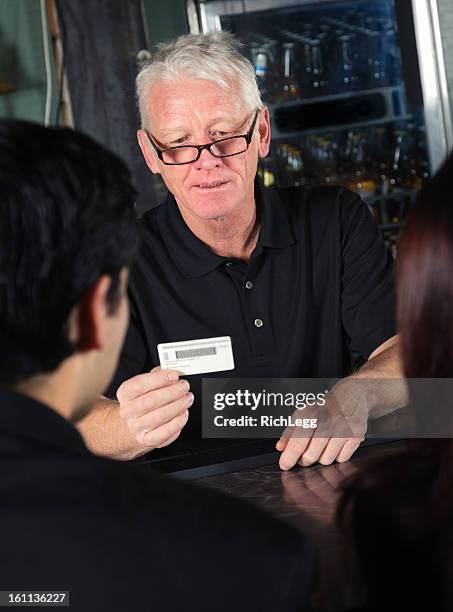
{"x":342,"y":424}
{"x":154,"y":406}
{"x":323,"y":450}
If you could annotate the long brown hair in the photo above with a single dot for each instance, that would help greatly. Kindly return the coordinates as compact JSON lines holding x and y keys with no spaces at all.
{"x":425,"y":312}
{"x":400,"y":509}
{"x":425,"y":281}
{"x":425,"y":325}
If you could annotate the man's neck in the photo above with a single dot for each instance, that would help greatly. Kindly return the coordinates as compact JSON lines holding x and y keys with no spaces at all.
{"x":232,"y":236}
{"x":55,"y":390}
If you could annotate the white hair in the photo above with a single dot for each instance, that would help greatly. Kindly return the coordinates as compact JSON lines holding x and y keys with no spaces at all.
{"x":215,"y":57}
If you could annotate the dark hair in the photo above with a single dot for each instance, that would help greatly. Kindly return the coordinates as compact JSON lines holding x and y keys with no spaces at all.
{"x":66,"y":218}
{"x":425,"y":281}
{"x":411,"y":490}
{"x":425,"y":318}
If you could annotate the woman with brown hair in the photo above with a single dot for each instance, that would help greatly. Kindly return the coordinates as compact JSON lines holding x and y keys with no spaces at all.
{"x":401,"y":509}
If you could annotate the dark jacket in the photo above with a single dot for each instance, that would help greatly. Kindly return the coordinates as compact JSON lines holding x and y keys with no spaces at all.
{"x":120,"y":538}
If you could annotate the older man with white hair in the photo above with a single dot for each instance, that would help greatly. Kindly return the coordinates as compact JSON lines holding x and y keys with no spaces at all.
{"x":298,"y":278}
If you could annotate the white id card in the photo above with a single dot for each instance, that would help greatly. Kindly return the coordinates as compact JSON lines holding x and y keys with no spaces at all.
{"x":197,"y":356}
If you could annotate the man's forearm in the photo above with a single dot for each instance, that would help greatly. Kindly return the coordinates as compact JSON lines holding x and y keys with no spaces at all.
{"x":106,"y":434}
{"x":386,"y":388}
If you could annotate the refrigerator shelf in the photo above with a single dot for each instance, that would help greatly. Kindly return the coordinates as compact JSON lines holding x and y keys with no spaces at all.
{"x":277,"y":135}
{"x":335,"y":97}
{"x":338,"y":112}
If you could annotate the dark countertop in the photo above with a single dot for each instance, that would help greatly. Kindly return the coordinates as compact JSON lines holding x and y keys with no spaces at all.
{"x":307,"y":498}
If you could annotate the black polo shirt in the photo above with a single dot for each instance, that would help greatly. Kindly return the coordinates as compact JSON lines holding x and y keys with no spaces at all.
{"x":320,"y":281}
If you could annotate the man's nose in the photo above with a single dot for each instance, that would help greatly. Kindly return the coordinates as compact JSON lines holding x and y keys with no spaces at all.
{"x":207,"y":161}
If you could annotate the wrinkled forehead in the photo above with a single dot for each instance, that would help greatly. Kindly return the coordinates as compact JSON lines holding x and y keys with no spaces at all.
{"x":189,"y":101}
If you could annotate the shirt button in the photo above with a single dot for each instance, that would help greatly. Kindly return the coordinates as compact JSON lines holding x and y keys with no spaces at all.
{"x":249,"y":285}
{"x":228,"y":264}
{"x":258,"y":323}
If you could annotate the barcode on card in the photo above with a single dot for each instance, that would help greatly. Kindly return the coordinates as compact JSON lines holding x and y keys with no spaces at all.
{"x":197,"y":352}
{"x":197,"y":356}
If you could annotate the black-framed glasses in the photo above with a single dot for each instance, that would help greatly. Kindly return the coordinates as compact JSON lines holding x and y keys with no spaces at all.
{"x":187,"y":154}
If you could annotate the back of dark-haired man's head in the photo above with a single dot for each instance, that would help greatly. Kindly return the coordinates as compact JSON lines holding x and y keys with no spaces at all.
{"x":68,"y":233}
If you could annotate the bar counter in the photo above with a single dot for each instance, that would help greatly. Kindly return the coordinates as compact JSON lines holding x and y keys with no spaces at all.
{"x":307,"y":497}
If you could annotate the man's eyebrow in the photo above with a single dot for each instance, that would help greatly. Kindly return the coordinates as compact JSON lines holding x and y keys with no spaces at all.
{"x":177,"y":130}
{"x":181,"y":131}
{"x":231,"y":121}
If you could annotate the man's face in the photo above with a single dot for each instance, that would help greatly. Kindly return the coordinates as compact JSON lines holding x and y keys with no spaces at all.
{"x":197,"y":111}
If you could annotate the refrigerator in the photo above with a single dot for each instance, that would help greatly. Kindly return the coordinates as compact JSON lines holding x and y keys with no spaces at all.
{"x":356,"y":90}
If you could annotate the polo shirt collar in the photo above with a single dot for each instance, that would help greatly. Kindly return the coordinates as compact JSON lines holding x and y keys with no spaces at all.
{"x":194,"y":259}
{"x":23,"y":417}
{"x":276,"y":231}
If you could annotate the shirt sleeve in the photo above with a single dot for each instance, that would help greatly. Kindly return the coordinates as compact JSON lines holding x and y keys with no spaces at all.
{"x":133,"y":359}
{"x":367,"y":279}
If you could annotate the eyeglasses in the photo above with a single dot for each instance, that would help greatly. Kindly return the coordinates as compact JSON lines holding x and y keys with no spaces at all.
{"x":187,"y":154}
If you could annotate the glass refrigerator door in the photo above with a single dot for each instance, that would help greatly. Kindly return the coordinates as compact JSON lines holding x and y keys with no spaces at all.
{"x":342,"y":83}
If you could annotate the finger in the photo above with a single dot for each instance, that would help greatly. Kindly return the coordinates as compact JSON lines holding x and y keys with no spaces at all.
{"x":286,"y":435}
{"x":143,"y":383}
{"x":153,"y":400}
{"x":349,"y":449}
{"x":313,"y":451}
{"x":162,"y":436}
{"x":281,"y":444}
{"x":332,"y":450}
{"x":172,"y":439}
{"x":155,"y":419}
{"x":292,"y":452}
{"x":289,"y":432}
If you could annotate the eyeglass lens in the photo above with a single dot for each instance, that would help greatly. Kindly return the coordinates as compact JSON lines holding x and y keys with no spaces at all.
{"x":223,"y":148}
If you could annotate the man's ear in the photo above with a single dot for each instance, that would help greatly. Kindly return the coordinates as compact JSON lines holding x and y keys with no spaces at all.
{"x":148,"y":154}
{"x":264,"y":130}
{"x":86,"y":324}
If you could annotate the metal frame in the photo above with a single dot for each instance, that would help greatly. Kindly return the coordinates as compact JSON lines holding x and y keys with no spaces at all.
{"x":199,"y":19}
{"x":442,"y":76}
{"x":439,"y":129}
{"x":192,"y":17}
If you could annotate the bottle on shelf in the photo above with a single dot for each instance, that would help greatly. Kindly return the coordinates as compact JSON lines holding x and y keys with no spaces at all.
{"x":347,"y":76}
{"x":375,"y":58}
{"x":289,"y":86}
{"x":319,"y":78}
{"x":260,"y":63}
